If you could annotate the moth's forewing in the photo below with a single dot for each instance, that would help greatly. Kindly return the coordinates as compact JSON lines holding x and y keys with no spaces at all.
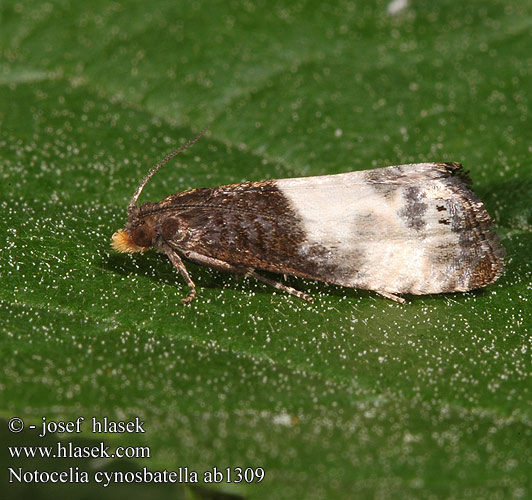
{"x":405,"y":229}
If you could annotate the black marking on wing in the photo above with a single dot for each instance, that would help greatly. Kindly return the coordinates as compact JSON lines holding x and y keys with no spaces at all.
{"x":477,"y":258}
{"x":414,"y":212}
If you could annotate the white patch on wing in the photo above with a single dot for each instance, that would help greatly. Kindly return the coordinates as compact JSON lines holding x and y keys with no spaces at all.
{"x":365,"y":230}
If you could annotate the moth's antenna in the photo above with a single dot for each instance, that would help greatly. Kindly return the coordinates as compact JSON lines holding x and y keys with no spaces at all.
{"x":159,"y":165}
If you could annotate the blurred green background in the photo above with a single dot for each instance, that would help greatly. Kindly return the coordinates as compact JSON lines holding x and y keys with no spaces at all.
{"x":350,"y":397}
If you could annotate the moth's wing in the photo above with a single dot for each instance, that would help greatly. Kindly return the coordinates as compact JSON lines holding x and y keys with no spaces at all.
{"x":248,"y":225}
{"x":404,"y":229}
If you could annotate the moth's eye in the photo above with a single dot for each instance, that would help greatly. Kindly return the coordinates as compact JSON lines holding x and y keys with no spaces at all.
{"x":143,"y":236}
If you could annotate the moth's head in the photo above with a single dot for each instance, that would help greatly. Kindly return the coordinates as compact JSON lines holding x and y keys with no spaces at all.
{"x":139,"y":233}
{"x":137,"y":236}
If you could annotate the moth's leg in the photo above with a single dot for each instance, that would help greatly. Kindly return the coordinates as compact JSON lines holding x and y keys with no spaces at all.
{"x":281,"y":286}
{"x":218,"y":264}
{"x":392,"y":297}
{"x":178,"y":264}
{"x":247,"y":271}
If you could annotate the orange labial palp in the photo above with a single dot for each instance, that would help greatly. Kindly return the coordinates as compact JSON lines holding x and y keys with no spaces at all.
{"x":122,"y":242}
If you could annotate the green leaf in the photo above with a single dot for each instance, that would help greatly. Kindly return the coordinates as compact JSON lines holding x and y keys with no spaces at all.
{"x":352,"y":395}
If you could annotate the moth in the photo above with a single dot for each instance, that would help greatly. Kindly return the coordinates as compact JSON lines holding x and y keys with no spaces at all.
{"x":407,"y":229}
